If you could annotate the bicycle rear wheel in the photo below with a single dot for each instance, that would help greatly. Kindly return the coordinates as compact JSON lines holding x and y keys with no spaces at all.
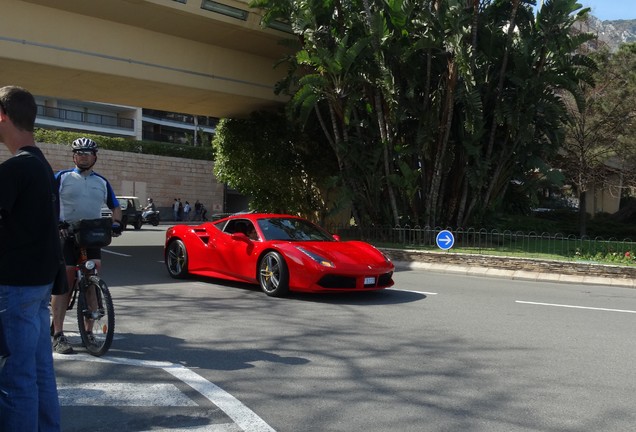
{"x":96,"y":316}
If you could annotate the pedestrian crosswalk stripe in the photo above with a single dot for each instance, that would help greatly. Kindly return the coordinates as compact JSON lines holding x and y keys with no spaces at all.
{"x":226,"y":427}
{"x":123,"y":394}
{"x":243,"y":417}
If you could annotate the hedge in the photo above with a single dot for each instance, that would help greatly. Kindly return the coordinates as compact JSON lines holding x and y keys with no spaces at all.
{"x":126,"y":145}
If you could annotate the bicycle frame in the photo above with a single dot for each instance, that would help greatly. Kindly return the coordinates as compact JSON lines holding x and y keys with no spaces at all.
{"x":83,"y":269}
{"x":95,"y":313}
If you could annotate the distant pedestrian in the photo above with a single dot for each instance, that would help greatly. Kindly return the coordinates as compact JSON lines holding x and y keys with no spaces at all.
{"x":175,"y":209}
{"x":197,"y":210}
{"x":186,"y":211}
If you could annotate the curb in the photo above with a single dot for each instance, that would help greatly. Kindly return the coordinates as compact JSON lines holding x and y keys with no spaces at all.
{"x":515,"y":274}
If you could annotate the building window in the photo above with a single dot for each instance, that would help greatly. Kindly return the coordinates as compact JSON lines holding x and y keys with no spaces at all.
{"x":280,"y":26}
{"x":226,"y":10}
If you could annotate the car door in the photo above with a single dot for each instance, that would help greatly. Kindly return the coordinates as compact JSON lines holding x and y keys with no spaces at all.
{"x":238,"y":251}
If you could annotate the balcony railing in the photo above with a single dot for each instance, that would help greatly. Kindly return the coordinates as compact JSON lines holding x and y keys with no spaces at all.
{"x":80,"y":117}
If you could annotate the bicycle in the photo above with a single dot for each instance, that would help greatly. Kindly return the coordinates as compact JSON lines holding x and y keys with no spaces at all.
{"x":95,"y":311}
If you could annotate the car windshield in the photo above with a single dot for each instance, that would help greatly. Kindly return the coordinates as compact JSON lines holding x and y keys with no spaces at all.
{"x":292,"y":229}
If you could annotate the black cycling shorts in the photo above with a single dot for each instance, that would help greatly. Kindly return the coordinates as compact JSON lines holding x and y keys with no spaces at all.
{"x":72,"y":253}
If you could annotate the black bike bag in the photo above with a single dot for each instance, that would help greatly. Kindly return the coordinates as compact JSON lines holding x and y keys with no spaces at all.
{"x":93,"y":233}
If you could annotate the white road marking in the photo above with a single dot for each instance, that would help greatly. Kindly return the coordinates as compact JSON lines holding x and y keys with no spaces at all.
{"x":576,"y":307}
{"x":412,"y":291}
{"x":116,"y":253}
{"x":74,"y":337}
{"x":228,"y":427}
{"x":242,"y":416}
{"x":122,"y":394}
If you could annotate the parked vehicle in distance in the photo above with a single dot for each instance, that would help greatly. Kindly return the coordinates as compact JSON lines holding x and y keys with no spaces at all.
{"x":106,"y":212}
{"x":281,"y":253}
{"x":131,"y":209}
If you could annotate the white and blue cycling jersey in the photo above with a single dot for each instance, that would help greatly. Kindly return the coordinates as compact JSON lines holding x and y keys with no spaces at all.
{"x":82,"y":196}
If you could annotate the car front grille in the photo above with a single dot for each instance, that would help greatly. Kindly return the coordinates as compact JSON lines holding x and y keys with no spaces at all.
{"x":350,"y":282}
{"x":336,"y":281}
{"x":385,"y":279}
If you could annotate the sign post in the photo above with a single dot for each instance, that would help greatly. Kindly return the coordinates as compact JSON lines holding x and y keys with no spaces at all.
{"x":445,"y":240}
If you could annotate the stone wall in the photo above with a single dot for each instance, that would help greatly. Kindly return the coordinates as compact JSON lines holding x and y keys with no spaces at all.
{"x":514,"y":264}
{"x":161,"y":177}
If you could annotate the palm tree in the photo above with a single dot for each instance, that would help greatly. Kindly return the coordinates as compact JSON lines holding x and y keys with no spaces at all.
{"x":432,"y":106}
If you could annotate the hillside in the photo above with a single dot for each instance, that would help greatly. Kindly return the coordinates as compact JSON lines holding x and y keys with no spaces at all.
{"x":612,"y":33}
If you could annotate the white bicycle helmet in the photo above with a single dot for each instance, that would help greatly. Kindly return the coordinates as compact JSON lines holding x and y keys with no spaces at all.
{"x":84,"y":144}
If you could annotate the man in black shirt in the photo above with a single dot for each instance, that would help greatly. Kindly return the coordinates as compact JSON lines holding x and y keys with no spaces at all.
{"x":29,"y":263}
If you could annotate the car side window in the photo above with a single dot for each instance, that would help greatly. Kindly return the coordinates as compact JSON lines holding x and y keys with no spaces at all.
{"x":251,"y":232}
{"x":237,"y":226}
{"x":220,"y":226}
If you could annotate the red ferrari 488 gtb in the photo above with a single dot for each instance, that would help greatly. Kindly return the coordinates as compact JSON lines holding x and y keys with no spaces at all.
{"x":281,"y":253}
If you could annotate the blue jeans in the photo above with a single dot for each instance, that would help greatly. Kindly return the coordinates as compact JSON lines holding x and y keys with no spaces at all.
{"x":28,"y":392}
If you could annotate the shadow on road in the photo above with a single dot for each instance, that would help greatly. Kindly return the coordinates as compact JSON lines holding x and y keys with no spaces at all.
{"x":164,"y":348}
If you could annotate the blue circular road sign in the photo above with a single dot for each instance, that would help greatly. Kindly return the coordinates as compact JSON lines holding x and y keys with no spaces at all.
{"x":445,"y":240}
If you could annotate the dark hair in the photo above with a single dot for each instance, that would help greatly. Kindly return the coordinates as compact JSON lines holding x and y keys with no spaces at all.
{"x":19,"y":105}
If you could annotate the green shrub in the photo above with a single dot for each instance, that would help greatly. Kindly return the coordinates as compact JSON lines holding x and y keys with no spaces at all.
{"x":126,"y":145}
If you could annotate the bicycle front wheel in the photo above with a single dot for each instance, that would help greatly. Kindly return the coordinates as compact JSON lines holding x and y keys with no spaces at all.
{"x":95,"y":316}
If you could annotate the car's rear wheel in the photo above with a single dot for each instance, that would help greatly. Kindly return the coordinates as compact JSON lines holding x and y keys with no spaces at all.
{"x":273,"y":275}
{"x":177,"y":259}
{"x":138,"y":223}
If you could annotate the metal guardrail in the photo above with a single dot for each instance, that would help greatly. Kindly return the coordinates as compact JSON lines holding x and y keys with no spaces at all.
{"x":483,"y":241}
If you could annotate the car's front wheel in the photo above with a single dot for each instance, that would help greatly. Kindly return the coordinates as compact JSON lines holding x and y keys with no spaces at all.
{"x":177,"y":259}
{"x":273,"y":275}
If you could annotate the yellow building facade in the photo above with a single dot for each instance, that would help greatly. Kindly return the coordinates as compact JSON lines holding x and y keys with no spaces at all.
{"x":199,"y":57}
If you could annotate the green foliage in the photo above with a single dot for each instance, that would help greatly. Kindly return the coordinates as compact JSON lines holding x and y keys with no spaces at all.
{"x":603,"y":253}
{"x":431,"y":108}
{"x":279,"y":168}
{"x":125,"y":145}
{"x":599,"y":147}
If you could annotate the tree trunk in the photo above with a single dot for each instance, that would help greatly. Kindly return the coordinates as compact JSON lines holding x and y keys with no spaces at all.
{"x":384,"y":136}
{"x":442,"y":145}
{"x":582,"y":213}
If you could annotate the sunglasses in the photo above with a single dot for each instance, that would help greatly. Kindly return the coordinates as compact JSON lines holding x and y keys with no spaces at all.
{"x":84,"y":153}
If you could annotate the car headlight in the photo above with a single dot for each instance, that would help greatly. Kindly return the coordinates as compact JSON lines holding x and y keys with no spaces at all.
{"x":320,"y":260}
{"x":385,"y":256}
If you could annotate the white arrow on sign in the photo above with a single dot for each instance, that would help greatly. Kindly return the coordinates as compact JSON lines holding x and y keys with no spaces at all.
{"x":445,"y":240}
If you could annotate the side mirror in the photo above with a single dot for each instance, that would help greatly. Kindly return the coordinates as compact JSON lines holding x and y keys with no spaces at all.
{"x":336,"y":236}
{"x":240,"y":237}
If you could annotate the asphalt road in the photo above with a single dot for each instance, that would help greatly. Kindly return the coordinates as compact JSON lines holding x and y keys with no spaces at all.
{"x":438,"y":352}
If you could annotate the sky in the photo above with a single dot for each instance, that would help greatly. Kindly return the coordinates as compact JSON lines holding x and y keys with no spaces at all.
{"x":610,"y":9}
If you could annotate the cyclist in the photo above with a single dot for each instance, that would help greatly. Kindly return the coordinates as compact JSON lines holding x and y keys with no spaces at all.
{"x":82,"y":194}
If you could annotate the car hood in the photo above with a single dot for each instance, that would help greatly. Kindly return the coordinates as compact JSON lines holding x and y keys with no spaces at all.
{"x":345,"y":252}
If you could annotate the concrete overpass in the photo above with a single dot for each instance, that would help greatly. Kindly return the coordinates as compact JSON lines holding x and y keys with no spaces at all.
{"x":198,"y":57}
